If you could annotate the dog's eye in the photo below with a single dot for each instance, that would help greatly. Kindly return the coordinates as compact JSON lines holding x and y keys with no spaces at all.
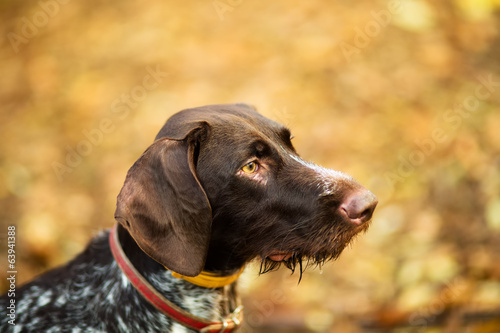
{"x":251,"y":167}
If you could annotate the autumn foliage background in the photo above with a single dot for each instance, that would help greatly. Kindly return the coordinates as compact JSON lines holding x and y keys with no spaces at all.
{"x":404,"y":95}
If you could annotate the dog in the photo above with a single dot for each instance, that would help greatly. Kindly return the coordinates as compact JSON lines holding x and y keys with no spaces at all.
{"x":220,"y":186}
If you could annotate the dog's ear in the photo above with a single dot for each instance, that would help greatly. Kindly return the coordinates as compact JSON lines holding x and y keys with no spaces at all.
{"x":164,"y":207}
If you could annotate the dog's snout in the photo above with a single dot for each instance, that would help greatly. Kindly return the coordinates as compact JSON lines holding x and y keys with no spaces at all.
{"x":359,"y":206}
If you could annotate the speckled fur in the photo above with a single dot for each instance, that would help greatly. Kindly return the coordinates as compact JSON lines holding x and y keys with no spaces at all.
{"x":91,"y":294}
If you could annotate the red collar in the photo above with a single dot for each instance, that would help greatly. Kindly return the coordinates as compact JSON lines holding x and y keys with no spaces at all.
{"x":228,"y":323}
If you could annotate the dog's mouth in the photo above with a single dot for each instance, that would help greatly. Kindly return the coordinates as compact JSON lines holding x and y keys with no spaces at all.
{"x":326,"y":246}
{"x":292,"y":259}
{"x":279,"y":256}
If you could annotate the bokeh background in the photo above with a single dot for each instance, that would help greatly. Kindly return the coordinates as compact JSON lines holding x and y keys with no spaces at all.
{"x":403,"y":94}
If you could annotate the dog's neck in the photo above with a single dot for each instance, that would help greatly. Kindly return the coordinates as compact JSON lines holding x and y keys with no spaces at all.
{"x":141,"y":261}
{"x":223,"y":302}
{"x":146,"y":265}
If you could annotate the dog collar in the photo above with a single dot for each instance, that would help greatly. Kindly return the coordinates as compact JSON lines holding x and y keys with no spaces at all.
{"x":226,"y":325}
{"x":209,"y":280}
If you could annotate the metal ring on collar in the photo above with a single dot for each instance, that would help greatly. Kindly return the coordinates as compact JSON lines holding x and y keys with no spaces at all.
{"x":224,"y":325}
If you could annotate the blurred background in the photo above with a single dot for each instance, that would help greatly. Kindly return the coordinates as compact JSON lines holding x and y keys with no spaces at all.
{"x":403,"y":94}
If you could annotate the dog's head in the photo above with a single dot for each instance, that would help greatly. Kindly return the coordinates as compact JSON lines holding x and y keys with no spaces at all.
{"x":225,"y":182}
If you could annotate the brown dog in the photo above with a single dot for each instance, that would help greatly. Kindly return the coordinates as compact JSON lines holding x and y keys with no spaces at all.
{"x":220,"y":186}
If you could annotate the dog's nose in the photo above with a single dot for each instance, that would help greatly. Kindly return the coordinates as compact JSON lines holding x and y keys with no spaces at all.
{"x":358,"y":207}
